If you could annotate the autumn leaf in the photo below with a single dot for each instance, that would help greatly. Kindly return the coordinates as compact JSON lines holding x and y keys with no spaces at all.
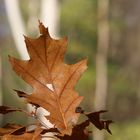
{"x":53,"y":81}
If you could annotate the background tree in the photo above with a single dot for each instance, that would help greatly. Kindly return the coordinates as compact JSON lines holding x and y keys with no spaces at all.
{"x":101,"y":60}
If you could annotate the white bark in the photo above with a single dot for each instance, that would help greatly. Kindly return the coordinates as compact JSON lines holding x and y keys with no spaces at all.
{"x":50,"y":16}
{"x":101,"y":61}
{"x":17,"y":26}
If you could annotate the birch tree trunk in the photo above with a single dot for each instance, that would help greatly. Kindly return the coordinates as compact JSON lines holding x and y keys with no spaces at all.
{"x":50,"y":16}
{"x":101,"y":61}
{"x":17,"y":26}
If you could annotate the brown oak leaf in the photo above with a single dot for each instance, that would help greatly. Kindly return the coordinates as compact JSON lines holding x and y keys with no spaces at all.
{"x":53,"y":81}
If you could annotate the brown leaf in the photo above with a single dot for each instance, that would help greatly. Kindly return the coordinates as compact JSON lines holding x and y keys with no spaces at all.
{"x":94,"y":118}
{"x":53,"y":80}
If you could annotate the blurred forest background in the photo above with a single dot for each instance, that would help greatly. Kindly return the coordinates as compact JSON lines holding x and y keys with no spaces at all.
{"x":106,"y":32}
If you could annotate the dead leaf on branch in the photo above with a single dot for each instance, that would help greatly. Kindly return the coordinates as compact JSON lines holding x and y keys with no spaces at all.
{"x":53,"y":81}
{"x":94,"y":118}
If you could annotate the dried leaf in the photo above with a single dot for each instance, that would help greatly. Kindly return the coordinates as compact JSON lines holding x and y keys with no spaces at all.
{"x":53,"y":80}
